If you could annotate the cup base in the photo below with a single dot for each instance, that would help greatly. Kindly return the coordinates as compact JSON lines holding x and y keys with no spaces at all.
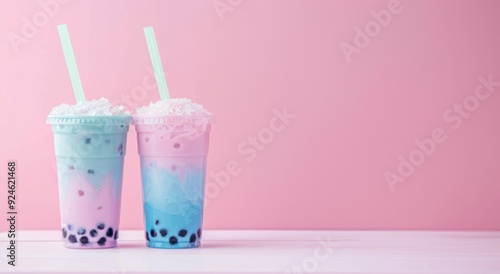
{"x":166,"y":245}
{"x":108,"y":244}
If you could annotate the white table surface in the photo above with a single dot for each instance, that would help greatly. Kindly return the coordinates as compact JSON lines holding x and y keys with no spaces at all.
{"x":381,"y":252}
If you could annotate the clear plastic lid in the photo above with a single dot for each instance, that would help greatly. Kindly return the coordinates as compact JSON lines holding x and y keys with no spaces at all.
{"x":174,"y":119}
{"x":89,"y":120}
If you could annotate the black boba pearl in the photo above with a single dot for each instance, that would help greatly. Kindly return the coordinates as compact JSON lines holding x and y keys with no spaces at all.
{"x":64,"y":232}
{"x":116,"y":235}
{"x":182,"y":232}
{"x":147,"y":236}
{"x":84,"y":240}
{"x":102,"y":241}
{"x":163,"y":232}
{"x":70,"y":226}
{"x":90,"y":171}
{"x":199,"y":233}
{"x":157,"y":222}
{"x":93,"y":233}
{"x":192,"y":239}
{"x":152,"y":232}
{"x":81,"y":231}
{"x":100,"y":226}
{"x":109,"y":233}
{"x":172,"y":240}
{"x":72,"y":238}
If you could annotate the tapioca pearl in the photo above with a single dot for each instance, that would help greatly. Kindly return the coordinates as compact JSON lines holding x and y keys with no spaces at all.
{"x":192,"y":239}
{"x":109,"y":233}
{"x":84,"y":240}
{"x":121,"y":126}
{"x":120,"y":147}
{"x":99,"y":208}
{"x":81,"y":231}
{"x":116,"y":235}
{"x":87,"y":140}
{"x":71,"y":167}
{"x":93,"y":233}
{"x":182,"y":232}
{"x":70,"y":226}
{"x":90,"y":171}
{"x":102,"y":241}
{"x":64,"y":232}
{"x":199,"y":232}
{"x":163,"y":232}
{"x":177,"y":145}
{"x":100,"y":226}
{"x":81,"y":193}
{"x":107,"y":141}
{"x":172,"y":240}
{"x":152,"y":232}
{"x":147,"y":236}
{"x":157,"y":222}
{"x":72,"y":239}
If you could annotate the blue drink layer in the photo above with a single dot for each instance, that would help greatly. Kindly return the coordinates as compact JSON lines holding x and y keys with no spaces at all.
{"x":173,"y":204}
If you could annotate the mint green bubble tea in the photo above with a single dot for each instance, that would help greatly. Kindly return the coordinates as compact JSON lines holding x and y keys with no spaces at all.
{"x":90,"y":141}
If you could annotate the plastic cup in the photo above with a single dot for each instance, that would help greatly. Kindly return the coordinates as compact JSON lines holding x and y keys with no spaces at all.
{"x":90,"y":151}
{"x":173,"y":153}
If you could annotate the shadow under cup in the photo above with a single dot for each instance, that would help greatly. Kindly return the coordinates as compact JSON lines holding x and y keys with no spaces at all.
{"x":173,"y":153}
{"x":90,"y":152}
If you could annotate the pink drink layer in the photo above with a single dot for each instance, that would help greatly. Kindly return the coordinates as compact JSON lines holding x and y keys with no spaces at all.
{"x":90,"y":211}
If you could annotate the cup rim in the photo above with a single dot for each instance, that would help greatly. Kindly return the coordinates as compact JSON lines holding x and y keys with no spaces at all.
{"x":89,"y":120}
{"x":173,"y":119}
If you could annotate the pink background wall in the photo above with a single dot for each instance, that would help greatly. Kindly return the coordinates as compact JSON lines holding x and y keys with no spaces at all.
{"x":325,"y":169}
